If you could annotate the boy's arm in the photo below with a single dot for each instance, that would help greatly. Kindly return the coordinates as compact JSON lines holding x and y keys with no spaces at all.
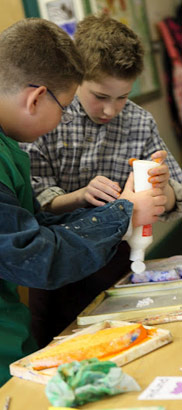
{"x":148,"y":205}
{"x":51,"y":251}
{"x":46,"y":186}
{"x":99,"y":191}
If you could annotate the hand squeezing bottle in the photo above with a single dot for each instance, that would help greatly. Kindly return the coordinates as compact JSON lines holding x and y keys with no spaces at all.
{"x":142,"y":235}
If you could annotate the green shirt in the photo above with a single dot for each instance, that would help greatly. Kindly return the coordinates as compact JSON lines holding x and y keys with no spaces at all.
{"x":15,"y":171}
{"x":16,"y":339}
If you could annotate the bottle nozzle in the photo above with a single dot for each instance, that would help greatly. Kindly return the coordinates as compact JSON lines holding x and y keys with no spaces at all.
{"x":138,"y":267}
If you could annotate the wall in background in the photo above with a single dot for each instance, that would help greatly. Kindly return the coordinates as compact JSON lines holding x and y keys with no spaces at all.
{"x":159,"y":108}
{"x":156,"y":11}
{"x":10,"y":12}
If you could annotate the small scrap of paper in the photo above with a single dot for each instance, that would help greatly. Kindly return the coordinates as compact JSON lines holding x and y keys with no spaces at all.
{"x":141,"y":408}
{"x":123,"y":408}
{"x":61,"y":408}
{"x":163,"y":388}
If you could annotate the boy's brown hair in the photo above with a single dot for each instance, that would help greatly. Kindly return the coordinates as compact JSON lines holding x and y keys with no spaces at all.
{"x":37,"y":51}
{"x":110,"y":47}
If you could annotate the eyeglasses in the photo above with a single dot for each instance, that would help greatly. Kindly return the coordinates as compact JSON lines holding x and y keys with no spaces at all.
{"x":52,"y":95}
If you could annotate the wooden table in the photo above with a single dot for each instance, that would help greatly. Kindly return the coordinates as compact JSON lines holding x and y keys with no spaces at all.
{"x":166,"y":361}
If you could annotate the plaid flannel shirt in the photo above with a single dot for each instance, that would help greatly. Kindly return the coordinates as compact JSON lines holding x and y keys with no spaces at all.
{"x":67,"y":158}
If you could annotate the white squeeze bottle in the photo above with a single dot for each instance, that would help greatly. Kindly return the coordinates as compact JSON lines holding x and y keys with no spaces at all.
{"x":142,"y":236}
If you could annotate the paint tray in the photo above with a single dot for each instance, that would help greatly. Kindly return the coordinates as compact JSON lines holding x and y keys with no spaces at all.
{"x":161,"y":337}
{"x":136,"y":302}
{"x":162,"y":266}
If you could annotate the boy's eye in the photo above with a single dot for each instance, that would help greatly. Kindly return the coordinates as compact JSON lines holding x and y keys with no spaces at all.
{"x":123,"y":97}
{"x":100,"y":97}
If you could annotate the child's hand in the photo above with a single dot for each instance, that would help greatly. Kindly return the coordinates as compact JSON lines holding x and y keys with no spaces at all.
{"x":101,"y":190}
{"x":159,"y":156}
{"x":148,"y":205}
{"x":159,"y":176}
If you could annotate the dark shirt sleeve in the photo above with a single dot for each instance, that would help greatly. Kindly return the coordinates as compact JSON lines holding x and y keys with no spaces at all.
{"x":48,"y":251}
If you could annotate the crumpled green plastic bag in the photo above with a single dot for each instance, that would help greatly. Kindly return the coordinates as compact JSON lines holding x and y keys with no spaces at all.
{"x":77,"y":383}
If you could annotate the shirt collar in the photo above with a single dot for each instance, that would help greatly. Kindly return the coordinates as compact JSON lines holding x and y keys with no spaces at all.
{"x":77,"y":106}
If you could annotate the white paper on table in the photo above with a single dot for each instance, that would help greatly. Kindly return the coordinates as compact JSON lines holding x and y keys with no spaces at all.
{"x":167,"y":388}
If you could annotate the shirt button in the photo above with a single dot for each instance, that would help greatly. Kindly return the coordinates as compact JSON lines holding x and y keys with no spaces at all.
{"x":94,"y":219}
{"x":66,"y":118}
{"x":120,"y":207}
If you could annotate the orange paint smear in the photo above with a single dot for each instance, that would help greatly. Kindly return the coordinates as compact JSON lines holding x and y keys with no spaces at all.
{"x":102,"y":344}
{"x":150,"y":334}
{"x":158,"y":160}
{"x":131,"y":160}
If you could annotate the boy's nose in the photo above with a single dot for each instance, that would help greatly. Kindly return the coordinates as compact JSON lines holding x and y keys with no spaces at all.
{"x":109,"y":109}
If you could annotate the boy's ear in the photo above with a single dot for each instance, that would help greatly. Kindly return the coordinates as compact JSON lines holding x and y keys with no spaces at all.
{"x":34,"y":98}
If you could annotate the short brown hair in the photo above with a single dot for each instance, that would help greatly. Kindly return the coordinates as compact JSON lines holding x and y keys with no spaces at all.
{"x":37,"y":51}
{"x":110,"y":47}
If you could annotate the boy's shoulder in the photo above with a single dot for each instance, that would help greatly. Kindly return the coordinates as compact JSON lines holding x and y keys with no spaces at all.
{"x":6,"y":161}
{"x":8,"y":147}
{"x":4,"y":146}
{"x":136,"y":119}
{"x":15,"y":171}
{"x":135,"y":109}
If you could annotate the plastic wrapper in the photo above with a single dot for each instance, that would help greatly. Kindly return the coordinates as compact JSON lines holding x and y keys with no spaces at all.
{"x":77,"y":383}
{"x":157,"y":276}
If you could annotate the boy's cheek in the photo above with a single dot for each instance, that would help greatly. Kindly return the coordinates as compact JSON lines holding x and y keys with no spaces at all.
{"x":88,"y":105}
{"x":94,"y":108}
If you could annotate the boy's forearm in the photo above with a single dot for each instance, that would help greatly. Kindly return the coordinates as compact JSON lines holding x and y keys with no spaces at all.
{"x":67,"y":202}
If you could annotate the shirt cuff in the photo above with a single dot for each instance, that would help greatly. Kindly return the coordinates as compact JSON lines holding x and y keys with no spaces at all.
{"x":46,"y":196}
